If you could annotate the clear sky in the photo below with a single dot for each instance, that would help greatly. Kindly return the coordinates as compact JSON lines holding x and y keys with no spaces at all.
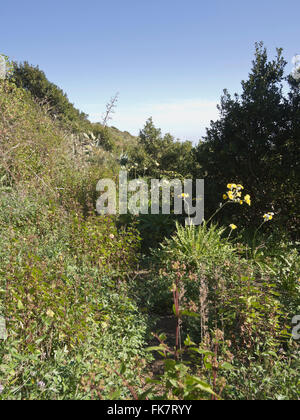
{"x":168,"y":59}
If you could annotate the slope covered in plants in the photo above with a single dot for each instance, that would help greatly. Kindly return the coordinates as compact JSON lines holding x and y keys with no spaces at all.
{"x":81,"y":292}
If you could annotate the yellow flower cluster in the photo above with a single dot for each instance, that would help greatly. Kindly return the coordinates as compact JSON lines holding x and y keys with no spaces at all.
{"x":234,"y":194}
{"x":232,"y":226}
{"x":268,"y":216}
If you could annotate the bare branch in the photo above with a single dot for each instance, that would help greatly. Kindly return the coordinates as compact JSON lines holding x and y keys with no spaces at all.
{"x":110,"y":109}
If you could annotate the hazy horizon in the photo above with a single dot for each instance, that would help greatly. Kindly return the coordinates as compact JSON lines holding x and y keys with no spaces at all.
{"x":166,"y":59}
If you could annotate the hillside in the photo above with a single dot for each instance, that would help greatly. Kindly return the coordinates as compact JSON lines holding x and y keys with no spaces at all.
{"x":81,"y":293}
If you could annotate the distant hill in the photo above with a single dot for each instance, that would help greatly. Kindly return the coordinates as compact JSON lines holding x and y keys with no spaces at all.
{"x":55,"y":100}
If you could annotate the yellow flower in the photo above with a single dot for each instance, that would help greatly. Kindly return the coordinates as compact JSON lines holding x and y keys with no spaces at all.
{"x":225,"y":196}
{"x":232,"y":226}
{"x":268,"y":216}
{"x":50,"y":313}
{"x":247,"y":199}
{"x":239,"y":187}
{"x":230,"y":195}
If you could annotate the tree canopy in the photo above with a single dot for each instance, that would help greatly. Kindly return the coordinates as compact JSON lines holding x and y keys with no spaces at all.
{"x":255,"y":142}
{"x":35,"y":81}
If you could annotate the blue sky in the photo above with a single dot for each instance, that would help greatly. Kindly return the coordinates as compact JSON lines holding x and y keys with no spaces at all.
{"x":168,"y":59}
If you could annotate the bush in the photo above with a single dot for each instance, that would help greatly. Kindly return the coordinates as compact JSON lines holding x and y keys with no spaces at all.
{"x":66,"y":301}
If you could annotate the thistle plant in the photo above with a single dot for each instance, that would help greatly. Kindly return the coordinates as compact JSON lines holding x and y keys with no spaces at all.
{"x":232,"y":227}
{"x":234,"y":195}
{"x":266,"y":218}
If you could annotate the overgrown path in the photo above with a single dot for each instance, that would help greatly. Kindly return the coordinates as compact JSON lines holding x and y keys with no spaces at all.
{"x":160,"y":320}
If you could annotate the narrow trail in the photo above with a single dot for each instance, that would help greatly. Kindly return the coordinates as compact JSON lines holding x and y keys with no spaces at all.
{"x":166,"y":325}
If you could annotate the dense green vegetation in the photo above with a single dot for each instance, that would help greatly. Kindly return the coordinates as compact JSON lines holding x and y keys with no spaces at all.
{"x":81,"y":293}
{"x":256,"y":142}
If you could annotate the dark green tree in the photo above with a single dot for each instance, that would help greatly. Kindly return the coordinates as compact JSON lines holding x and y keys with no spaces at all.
{"x":35,"y":81}
{"x":255,"y":142}
{"x":161,"y":155}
